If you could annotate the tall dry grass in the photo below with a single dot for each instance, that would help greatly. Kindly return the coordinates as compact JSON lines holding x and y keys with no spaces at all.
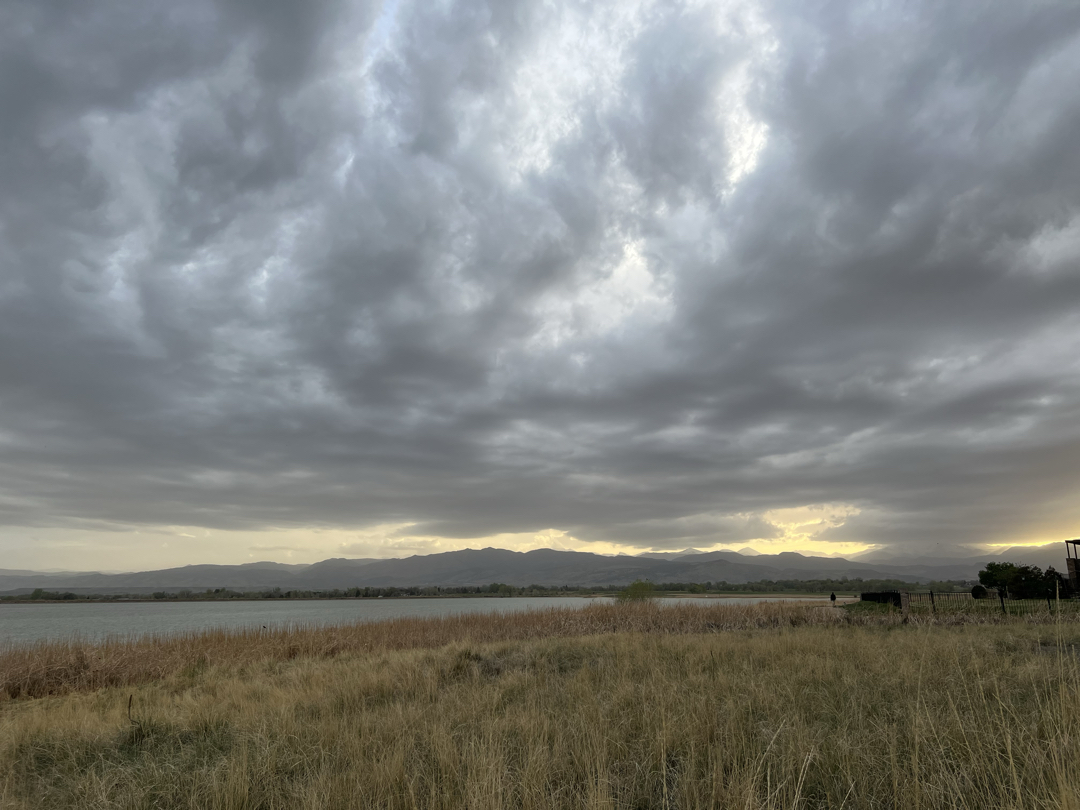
{"x":59,"y":667}
{"x":616,"y":707}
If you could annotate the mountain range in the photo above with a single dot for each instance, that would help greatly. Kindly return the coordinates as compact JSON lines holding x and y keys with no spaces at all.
{"x":548,"y":567}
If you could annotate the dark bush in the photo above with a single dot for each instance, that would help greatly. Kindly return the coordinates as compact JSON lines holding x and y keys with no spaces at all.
{"x":882,"y":597}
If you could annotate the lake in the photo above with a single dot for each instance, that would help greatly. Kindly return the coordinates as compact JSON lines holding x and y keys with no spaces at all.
{"x":92,"y":621}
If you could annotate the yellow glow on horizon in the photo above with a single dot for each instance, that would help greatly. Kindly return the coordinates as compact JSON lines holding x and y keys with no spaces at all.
{"x":141,"y":548}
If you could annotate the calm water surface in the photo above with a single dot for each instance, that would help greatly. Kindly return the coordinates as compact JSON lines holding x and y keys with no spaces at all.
{"x":22,"y":624}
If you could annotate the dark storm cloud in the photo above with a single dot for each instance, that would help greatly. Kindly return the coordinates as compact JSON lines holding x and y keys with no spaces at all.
{"x":640,"y":274}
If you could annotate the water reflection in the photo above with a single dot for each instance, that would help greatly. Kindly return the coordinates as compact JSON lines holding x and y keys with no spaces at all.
{"x":21,"y":624}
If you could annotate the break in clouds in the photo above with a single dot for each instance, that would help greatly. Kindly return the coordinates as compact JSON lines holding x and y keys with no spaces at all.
{"x":648,"y":274}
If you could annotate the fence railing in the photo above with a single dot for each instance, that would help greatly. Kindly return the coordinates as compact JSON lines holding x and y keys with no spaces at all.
{"x":949,"y":602}
{"x":946,"y":600}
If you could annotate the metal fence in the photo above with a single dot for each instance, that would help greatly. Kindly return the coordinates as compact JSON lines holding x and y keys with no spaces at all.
{"x":994,"y":601}
{"x":948,"y":602}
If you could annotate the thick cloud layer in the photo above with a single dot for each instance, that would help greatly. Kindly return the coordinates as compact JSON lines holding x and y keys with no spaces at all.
{"x":641,"y":273}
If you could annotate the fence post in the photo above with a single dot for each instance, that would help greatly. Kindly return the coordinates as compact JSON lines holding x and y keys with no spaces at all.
{"x":933,"y":607}
{"x":1048,"y":605}
{"x":1001,"y":597}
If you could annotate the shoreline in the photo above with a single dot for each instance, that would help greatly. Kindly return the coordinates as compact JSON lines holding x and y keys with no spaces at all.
{"x":56,"y":666}
{"x":105,"y":599}
{"x":38,"y":668}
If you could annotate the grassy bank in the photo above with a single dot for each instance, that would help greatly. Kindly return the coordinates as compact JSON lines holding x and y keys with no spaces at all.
{"x":54,"y":668}
{"x":612,"y":706}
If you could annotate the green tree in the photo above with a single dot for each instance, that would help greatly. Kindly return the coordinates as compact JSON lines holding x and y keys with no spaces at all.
{"x":1019,"y":581}
{"x":997,"y":575}
{"x":1056,"y":583}
{"x":637,"y":591}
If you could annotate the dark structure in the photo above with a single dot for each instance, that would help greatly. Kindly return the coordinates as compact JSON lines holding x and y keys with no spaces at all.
{"x":882,"y":597}
{"x":1072,"y":561}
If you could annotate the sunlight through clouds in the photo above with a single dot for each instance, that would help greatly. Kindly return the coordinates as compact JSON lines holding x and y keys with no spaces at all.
{"x":628,"y":291}
{"x":801,"y":527}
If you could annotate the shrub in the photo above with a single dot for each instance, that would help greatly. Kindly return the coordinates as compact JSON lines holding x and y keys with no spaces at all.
{"x":637,"y":591}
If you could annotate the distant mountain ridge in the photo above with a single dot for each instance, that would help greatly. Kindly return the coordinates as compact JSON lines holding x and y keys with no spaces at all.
{"x":547,"y":567}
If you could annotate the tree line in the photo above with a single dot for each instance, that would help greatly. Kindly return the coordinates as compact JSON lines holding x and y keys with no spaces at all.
{"x":500,"y":589}
{"x":1021,"y":581}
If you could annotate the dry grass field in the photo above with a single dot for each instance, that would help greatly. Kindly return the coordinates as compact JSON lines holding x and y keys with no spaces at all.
{"x":621,"y":706}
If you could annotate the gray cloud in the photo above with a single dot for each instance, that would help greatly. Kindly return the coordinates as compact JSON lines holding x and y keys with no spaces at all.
{"x":641,"y":274}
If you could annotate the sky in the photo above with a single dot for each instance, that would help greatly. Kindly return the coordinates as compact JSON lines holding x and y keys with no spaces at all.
{"x":288,"y":281}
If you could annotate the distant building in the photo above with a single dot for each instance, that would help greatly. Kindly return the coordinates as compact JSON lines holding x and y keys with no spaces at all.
{"x":1072,"y":561}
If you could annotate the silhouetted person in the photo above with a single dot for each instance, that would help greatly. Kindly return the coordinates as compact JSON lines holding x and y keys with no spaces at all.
{"x":832,"y":598}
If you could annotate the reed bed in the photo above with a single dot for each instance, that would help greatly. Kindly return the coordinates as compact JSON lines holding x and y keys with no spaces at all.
{"x":59,"y":667}
{"x":615,"y":707}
